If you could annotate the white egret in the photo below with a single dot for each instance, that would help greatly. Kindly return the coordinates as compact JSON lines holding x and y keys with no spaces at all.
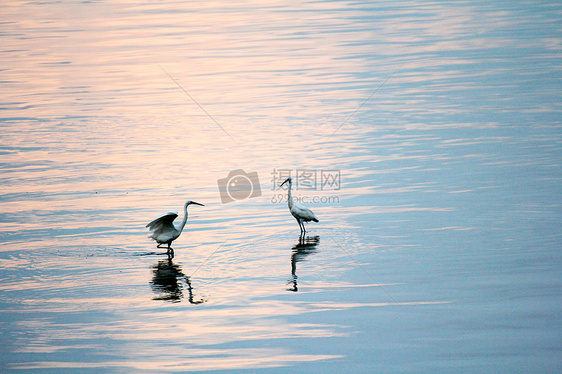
{"x":301,"y":213}
{"x":164,"y":231}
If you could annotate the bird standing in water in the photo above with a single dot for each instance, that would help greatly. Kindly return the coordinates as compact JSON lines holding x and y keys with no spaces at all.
{"x":301,"y":213}
{"x":164,"y":231}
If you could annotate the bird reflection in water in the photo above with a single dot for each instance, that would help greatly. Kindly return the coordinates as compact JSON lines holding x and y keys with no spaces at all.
{"x":168,"y":281}
{"x":301,"y":250}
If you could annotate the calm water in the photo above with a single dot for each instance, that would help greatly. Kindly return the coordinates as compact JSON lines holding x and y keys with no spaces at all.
{"x":437,"y":125}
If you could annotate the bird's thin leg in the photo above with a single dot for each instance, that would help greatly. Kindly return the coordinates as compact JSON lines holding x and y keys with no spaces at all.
{"x":170,"y":251}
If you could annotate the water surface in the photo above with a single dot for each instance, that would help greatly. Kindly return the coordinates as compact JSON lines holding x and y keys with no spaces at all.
{"x":438,"y":252}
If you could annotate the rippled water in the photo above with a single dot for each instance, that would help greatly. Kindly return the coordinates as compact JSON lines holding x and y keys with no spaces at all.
{"x":439,"y":251}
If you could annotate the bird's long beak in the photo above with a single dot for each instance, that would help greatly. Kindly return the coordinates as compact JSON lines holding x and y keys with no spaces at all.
{"x":193,"y":202}
{"x":286,"y":180}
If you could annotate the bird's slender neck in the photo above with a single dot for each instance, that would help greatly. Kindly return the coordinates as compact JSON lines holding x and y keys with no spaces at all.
{"x":290,"y":199}
{"x":184,"y":221}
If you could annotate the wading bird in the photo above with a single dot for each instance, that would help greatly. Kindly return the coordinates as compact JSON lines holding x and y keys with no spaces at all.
{"x":301,"y":213}
{"x":164,"y":231}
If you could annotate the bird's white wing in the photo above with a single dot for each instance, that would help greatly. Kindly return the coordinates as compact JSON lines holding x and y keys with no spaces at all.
{"x":302,"y":212}
{"x":163,"y":223}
